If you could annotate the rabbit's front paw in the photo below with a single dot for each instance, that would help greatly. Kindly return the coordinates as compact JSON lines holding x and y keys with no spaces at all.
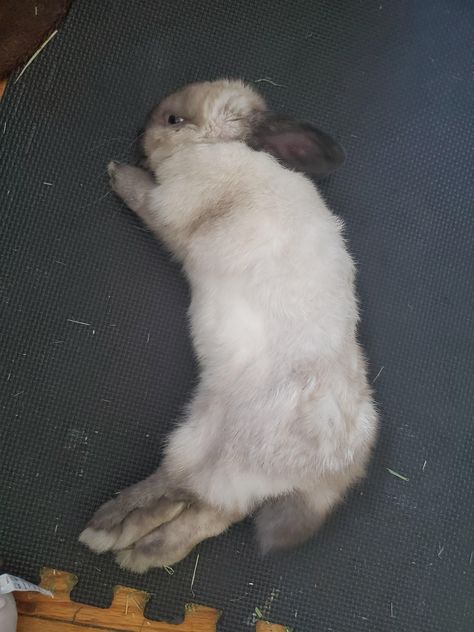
{"x":132,"y":184}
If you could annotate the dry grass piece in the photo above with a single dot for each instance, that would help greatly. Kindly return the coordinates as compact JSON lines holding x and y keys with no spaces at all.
{"x":78,"y":322}
{"x":270,"y":81}
{"x":400,"y":476}
{"x":194,"y":574}
{"x":35,"y":55}
{"x":378,"y":375}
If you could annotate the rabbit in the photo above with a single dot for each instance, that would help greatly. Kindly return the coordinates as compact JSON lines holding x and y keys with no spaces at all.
{"x":282,"y":422}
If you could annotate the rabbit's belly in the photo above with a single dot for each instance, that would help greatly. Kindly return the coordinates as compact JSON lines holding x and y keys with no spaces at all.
{"x":229,"y":329}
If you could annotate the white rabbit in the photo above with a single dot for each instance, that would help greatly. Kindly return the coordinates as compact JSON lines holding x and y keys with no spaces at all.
{"x":282,"y":422}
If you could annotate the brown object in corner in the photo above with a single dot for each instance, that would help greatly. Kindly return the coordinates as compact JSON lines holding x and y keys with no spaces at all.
{"x":24,"y":25}
{"x":39,"y":613}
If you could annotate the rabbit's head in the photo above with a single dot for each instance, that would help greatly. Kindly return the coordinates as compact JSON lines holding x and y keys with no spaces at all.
{"x":201,"y":112}
{"x":230,"y":110}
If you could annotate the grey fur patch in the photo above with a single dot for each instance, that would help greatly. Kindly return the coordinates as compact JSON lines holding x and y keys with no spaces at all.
{"x":286,"y":522}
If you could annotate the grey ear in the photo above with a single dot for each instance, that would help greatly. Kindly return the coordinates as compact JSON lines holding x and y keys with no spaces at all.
{"x":297,"y":144}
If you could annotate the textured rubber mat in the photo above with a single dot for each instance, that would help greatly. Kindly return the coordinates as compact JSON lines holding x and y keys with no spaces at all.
{"x":96,"y":362}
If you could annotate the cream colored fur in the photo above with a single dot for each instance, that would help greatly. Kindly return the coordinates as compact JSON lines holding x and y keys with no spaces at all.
{"x":283,"y":418}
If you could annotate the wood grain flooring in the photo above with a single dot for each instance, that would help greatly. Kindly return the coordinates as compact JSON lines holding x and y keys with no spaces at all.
{"x":41,"y":613}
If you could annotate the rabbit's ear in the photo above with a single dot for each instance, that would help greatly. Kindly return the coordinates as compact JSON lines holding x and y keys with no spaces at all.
{"x":297,"y":144}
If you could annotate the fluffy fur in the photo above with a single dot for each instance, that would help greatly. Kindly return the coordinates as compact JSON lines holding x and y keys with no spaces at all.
{"x":282,"y":421}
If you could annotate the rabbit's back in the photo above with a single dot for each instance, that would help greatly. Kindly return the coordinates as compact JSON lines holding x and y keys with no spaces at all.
{"x":273,"y":315}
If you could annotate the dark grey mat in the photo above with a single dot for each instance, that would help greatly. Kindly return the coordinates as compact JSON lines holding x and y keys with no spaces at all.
{"x":85,"y":406}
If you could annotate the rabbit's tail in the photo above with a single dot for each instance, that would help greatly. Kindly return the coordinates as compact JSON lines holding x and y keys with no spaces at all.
{"x":289,"y":520}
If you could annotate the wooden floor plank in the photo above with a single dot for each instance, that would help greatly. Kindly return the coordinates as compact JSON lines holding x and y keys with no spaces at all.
{"x":32,"y":624}
{"x":41,"y":613}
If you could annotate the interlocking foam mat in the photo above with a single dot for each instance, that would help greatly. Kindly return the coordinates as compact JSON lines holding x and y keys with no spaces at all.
{"x":96,"y":361}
